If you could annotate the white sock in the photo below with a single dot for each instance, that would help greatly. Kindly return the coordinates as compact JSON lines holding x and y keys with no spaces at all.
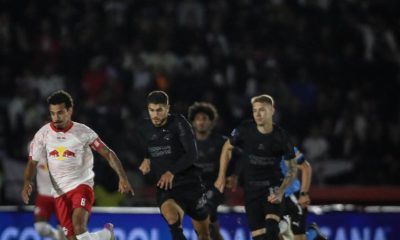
{"x":46,"y":230}
{"x":101,"y":235}
{"x":285,"y":229}
{"x":85,"y":236}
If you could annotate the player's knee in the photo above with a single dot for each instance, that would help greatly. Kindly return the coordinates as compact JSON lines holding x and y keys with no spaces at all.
{"x":171,"y":212}
{"x":172,"y":219}
{"x":272,"y":227}
{"x":43,"y":228}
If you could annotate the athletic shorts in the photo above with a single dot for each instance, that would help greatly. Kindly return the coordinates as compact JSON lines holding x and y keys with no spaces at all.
{"x":297,"y":214}
{"x":214,"y":199}
{"x":80,"y":197}
{"x":44,"y":207}
{"x":258,"y":208}
{"x":188,"y":193}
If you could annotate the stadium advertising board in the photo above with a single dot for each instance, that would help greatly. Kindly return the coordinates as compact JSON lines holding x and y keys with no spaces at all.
{"x":142,"y":225}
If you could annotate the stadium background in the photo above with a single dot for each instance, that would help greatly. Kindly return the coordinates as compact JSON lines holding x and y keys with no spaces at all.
{"x":332,"y":66}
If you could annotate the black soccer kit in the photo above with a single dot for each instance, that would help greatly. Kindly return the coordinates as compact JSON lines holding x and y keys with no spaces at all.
{"x":261,"y":158}
{"x":172,"y":147}
{"x":209,"y":151}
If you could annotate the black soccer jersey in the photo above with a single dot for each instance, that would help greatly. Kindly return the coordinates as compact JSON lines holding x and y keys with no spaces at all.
{"x":209,"y":151}
{"x":171,"y":147}
{"x":262,"y":154}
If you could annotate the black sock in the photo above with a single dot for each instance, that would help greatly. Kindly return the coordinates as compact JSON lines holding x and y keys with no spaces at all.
{"x":272,"y":227}
{"x":176,"y":231}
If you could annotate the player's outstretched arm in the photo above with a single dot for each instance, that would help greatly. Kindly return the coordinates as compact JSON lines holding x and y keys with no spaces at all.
{"x":29,"y":173}
{"x":115,"y":163}
{"x":225,"y":157}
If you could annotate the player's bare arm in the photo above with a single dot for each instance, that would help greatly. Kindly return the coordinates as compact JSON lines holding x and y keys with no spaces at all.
{"x":29,"y":173}
{"x":226,"y":155}
{"x":306,"y":175}
{"x":115,"y":163}
{"x":289,"y":178}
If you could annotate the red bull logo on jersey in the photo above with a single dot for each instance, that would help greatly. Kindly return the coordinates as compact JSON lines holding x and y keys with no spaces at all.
{"x":61,"y":153}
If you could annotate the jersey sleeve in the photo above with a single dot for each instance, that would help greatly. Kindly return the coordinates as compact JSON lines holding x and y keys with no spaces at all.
{"x":235,"y":166}
{"x":37,"y":147}
{"x":91,"y":136}
{"x":93,"y":139}
{"x":288,"y":148}
{"x":188,"y":142}
{"x":236,"y":137}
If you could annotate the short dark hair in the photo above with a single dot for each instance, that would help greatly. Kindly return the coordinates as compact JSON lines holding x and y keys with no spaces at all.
{"x":157,"y":97}
{"x":59,"y":97}
{"x":202,"y":107}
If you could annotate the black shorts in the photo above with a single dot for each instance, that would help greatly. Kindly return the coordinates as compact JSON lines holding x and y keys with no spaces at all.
{"x":258,"y":208}
{"x":297,"y":214}
{"x":188,"y":194}
{"x":214,"y":199}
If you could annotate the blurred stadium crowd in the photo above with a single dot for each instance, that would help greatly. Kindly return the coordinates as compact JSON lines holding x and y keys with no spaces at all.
{"x":332,"y":66}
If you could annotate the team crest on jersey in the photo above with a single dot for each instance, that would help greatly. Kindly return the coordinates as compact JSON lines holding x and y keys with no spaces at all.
{"x":61,"y":153}
{"x":167,"y":136}
{"x":261,"y":146}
